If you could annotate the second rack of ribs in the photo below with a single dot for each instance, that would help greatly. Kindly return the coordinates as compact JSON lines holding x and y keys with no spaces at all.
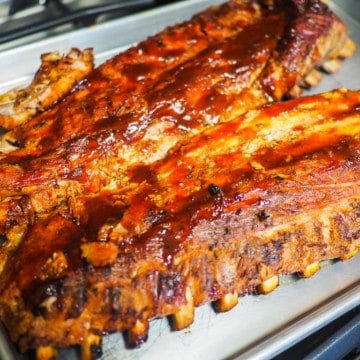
{"x":250,"y":54}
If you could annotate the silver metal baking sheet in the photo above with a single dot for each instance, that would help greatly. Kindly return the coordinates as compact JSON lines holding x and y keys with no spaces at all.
{"x":260,"y":326}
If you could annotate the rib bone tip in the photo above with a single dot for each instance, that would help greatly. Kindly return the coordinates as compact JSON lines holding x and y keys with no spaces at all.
{"x":138,"y":334}
{"x":91,"y":349}
{"x":295,"y":92}
{"x":310,"y":270}
{"x":349,"y":255}
{"x":331,"y":66}
{"x":227,"y":302}
{"x":348,"y":50}
{"x":268,"y":285}
{"x":313,"y":78}
{"x":46,"y":353}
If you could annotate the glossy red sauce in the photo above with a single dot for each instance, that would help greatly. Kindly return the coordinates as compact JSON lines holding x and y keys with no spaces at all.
{"x":188,"y":97}
{"x":136,"y":70}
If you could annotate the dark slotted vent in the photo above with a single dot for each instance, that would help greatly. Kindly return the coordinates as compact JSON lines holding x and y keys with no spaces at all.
{"x":27,"y":17}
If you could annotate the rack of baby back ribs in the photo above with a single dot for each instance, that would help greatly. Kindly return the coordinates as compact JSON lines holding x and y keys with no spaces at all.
{"x":171,"y":175}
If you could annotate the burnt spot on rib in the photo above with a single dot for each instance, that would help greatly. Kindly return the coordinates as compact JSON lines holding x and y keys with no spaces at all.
{"x":262,"y":216}
{"x":14,"y":143}
{"x":271,"y":252}
{"x":279,"y":177}
{"x":227,"y":231}
{"x":214,"y":189}
{"x":134,"y":340}
{"x":115,"y":301}
{"x":79,"y":301}
{"x":96,"y":351}
{"x":43,"y":292}
{"x":155,"y":216}
{"x":3,"y":240}
{"x":170,"y":288}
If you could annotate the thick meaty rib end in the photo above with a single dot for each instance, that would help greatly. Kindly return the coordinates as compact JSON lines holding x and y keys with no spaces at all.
{"x":242,"y":54}
{"x":272,"y":192}
{"x":56,"y":77}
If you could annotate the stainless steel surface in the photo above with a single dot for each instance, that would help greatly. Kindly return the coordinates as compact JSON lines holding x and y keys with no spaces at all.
{"x":352,"y":7}
{"x":31,"y":20}
{"x":260,"y":326}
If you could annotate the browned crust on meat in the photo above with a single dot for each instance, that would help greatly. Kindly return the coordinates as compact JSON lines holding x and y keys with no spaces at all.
{"x":196,"y":232}
{"x":56,"y":77}
{"x":282,"y":44}
{"x":164,"y":193}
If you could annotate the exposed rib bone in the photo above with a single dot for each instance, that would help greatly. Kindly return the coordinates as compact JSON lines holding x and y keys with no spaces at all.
{"x":185,"y":316}
{"x":313,"y":78}
{"x":227,"y":302}
{"x":268,"y":285}
{"x":46,"y":353}
{"x":91,"y":349}
{"x":138,"y":334}
{"x":349,"y":255}
{"x":331,"y":66}
{"x":125,"y":226}
{"x":295,"y":92}
{"x":310,"y":270}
